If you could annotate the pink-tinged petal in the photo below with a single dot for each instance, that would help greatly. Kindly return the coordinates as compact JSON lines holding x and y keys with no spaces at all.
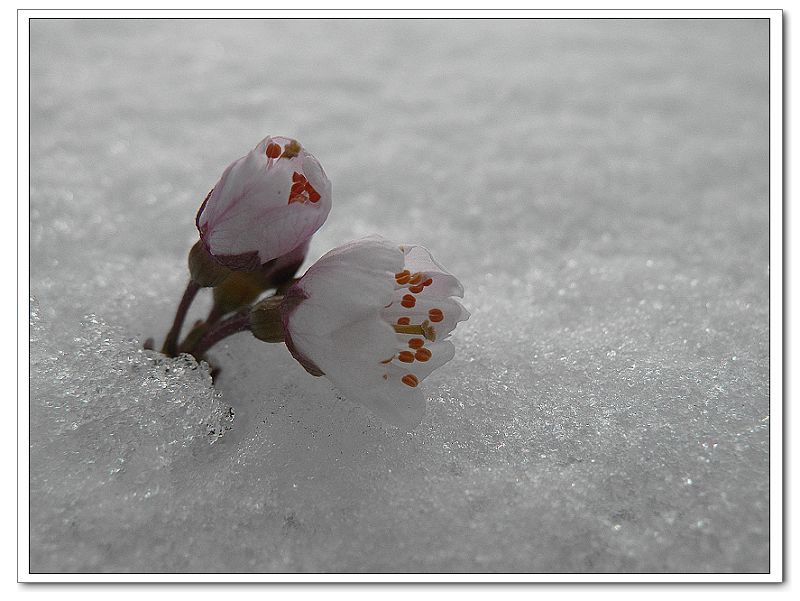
{"x":286,"y":227}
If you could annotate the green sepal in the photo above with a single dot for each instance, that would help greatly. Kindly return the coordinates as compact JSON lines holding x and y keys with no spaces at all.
{"x":204,"y":269}
{"x":265,"y":320}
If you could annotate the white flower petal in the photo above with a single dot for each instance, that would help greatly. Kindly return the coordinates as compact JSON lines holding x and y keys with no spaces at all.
{"x":441,"y":353}
{"x":366,"y":342}
{"x":419,"y":259}
{"x":391,"y":399}
{"x":351,"y":359}
{"x":348,"y":284}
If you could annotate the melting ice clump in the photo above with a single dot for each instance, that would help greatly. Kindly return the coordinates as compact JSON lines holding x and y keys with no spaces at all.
{"x":110,"y":423}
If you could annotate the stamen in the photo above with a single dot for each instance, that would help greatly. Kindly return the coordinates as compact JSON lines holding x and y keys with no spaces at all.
{"x":406,"y":356}
{"x":423,"y":354}
{"x":403,"y":321}
{"x":425,"y":329}
{"x":427,"y":282}
{"x":292,"y":149}
{"x":428,"y":331}
{"x":313,"y":195}
{"x":416,"y":278}
{"x":416,"y":289}
{"x":408,"y":329}
{"x":410,"y":380}
{"x":302,"y":191}
{"x":403,"y":277}
{"x":273,"y":150}
{"x":436,"y":315}
{"x":416,"y":343}
{"x":408,"y":301}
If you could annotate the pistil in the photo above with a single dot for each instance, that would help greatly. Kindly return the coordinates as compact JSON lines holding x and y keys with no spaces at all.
{"x":424,"y":329}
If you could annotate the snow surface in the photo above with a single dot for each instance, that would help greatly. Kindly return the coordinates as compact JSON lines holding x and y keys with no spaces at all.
{"x":601,"y":189}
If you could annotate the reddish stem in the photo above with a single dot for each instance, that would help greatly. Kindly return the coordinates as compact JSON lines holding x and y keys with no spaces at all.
{"x":171,"y":341}
{"x":240,"y":322}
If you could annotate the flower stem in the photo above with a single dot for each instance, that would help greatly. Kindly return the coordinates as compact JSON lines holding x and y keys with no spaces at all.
{"x":200,"y":328}
{"x":171,"y":341}
{"x":240,"y":322}
{"x":214,"y":315}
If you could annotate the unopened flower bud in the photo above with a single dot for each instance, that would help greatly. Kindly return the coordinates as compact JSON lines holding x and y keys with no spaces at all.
{"x":266,"y":204}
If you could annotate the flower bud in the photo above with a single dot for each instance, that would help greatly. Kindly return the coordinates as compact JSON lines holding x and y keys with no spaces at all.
{"x":266,"y":204}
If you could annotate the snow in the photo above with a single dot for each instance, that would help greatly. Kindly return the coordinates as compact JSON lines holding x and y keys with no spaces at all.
{"x":599,"y":187}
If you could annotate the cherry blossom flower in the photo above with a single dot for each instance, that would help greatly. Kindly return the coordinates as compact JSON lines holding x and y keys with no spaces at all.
{"x":374,"y":317}
{"x":266,"y":204}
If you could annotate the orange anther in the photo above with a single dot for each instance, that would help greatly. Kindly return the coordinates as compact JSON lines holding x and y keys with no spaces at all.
{"x":298,"y":188}
{"x":435,"y":315}
{"x":416,"y":278}
{"x":416,"y":343}
{"x":298,"y":177}
{"x":403,"y":277}
{"x":427,"y":282}
{"x":403,"y":321}
{"x":273,"y":150}
{"x":410,"y":380}
{"x":416,"y":289}
{"x":292,"y":149}
{"x":408,"y":301}
{"x":313,"y":195}
{"x":406,"y":356}
{"x":423,"y":354}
